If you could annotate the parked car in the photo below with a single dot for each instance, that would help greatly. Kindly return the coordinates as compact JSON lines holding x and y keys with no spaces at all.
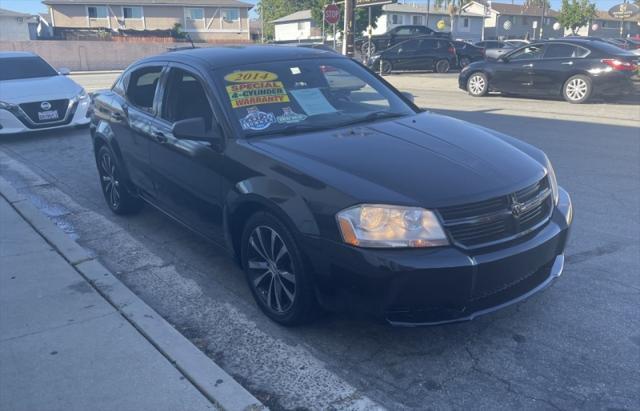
{"x":517,"y":42}
{"x":330,"y":198}
{"x":494,"y":48}
{"x":574,"y":69}
{"x":423,"y":53}
{"x":396,"y":35}
{"x":34,"y":96}
{"x":467,"y":53}
{"x":627,"y":44}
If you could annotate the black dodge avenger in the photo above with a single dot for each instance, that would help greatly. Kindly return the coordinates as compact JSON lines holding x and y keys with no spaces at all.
{"x":330,"y":187}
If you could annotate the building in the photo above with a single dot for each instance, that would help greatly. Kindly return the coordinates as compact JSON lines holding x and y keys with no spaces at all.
{"x":606,"y":26}
{"x":467,"y":25}
{"x":513,"y":21}
{"x":204,"y":20}
{"x":15,"y":26}
{"x":298,"y":26}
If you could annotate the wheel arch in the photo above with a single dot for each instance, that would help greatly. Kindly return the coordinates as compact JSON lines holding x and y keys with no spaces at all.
{"x":104,"y":136}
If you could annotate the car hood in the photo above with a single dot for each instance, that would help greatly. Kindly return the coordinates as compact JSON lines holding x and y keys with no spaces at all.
{"x":428,"y":160}
{"x":38,"y":89}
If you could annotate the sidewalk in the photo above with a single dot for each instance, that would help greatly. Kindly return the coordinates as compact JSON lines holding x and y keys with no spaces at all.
{"x":66,"y":346}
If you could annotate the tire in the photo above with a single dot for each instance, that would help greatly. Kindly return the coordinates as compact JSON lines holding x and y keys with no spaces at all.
{"x":442,"y":66}
{"x":464,"y":62}
{"x":118,"y":198}
{"x":478,"y":84}
{"x":268,"y":247}
{"x":577,"y":89}
{"x":385,"y":67}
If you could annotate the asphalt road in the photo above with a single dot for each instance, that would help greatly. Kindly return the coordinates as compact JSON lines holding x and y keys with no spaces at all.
{"x":574,"y":346}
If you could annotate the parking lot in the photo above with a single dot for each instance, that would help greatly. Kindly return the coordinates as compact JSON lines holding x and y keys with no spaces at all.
{"x":574,"y":346}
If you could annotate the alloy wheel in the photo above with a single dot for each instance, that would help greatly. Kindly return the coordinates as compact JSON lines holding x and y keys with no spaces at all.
{"x":442,"y":66}
{"x":577,"y":89}
{"x":477,"y":84}
{"x":109,"y":180}
{"x":270,"y":269}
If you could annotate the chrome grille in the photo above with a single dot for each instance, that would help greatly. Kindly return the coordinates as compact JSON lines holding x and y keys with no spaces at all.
{"x":499,"y":219}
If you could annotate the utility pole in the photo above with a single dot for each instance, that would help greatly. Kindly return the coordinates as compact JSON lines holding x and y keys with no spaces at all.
{"x":347,"y":38}
{"x":544,"y":4}
{"x":428,"y":10}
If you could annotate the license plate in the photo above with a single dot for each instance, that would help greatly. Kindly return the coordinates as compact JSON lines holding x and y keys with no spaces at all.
{"x":48,"y":115}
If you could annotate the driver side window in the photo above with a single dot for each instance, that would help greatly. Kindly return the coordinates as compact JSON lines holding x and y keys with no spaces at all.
{"x":532,"y":52}
{"x":186,"y":98}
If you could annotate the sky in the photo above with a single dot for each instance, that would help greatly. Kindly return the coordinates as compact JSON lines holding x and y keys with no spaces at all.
{"x":35,"y":6}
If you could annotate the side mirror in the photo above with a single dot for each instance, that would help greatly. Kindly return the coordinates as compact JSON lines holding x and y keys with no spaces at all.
{"x":408,"y":96}
{"x":194,"y":129}
{"x":64,"y":71}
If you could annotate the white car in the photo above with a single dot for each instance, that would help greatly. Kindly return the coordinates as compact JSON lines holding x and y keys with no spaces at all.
{"x":34,"y":96}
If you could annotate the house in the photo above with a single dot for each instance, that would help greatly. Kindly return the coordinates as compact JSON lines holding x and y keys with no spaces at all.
{"x":514,"y":21}
{"x":298,"y":26}
{"x":467,"y":25}
{"x":606,"y":26}
{"x":204,"y":20}
{"x":15,"y":26}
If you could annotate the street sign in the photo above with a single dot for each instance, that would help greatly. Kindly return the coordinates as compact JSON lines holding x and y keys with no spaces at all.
{"x":368,"y":3}
{"x":331,"y":14}
{"x":624,"y":11}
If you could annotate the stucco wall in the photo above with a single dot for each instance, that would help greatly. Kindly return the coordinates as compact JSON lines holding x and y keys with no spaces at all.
{"x":292,"y":31}
{"x":12,"y":29}
{"x":89,"y":55}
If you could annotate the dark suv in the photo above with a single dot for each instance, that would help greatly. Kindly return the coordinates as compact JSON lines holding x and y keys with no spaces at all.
{"x":422,"y":53}
{"x":396,"y":35}
{"x":329,"y":187}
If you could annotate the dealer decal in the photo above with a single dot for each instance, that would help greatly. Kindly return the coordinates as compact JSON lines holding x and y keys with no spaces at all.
{"x":250,"y":76}
{"x":257,"y":120}
{"x":257,"y":93}
{"x":289,"y":116}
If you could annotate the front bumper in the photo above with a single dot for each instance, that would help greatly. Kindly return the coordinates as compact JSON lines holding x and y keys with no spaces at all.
{"x":443,"y":284}
{"x":16,"y":121}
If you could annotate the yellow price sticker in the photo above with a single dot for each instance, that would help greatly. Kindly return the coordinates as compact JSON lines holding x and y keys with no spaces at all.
{"x":250,"y":76}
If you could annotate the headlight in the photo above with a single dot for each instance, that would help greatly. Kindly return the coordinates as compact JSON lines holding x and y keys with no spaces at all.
{"x":373,"y":225}
{"x":7,"y":106}
{"x":553,"y":182}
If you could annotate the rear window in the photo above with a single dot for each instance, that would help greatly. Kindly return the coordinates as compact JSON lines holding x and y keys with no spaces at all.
{"x":609,"y":48}
{"x":25,"y":67}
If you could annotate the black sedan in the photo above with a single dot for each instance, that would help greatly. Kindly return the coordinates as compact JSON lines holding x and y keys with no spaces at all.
{"x":398,"y":34}
{"x":422,"y":53}
{"x":574,"y":69}
{"x":467,"y":53}
{"x":329,"y":195}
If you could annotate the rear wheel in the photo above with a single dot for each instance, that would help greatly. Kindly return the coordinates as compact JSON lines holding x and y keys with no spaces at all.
{"x":577,"y":89}
{"x":477,"y":84}
{"x":442,"y":66}
{"x":119,"y":200}
{"x":277,"y":275}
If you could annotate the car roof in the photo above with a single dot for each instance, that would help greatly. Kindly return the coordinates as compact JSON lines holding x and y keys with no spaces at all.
{"x":224,"y":56}
{"x":16,"y":54}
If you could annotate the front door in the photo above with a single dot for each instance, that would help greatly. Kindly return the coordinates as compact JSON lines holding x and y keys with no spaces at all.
{"x":514,"y":74}
{"x":187,"y":174}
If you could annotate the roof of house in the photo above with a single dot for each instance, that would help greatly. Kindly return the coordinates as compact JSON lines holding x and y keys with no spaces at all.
{"x":518,"y":9}
{"x":297,"y":16}
{"x":197,"y":3}
{"x":420,"y":8}
{"x":11,"y":13}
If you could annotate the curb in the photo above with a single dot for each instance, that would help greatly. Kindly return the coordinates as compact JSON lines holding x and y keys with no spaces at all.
{"x":211,"y":380}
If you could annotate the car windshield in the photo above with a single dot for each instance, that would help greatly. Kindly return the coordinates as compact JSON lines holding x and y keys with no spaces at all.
{"x":13,"y":68}
{"x":290,"y":97}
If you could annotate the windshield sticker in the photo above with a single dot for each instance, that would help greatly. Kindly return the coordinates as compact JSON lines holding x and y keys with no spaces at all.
{"x":295,"y":70}
{"x":312,"y":101}
{"x":250,"y":76}
{"x":289,"y":116}
{"x":257,"y":120}
{"x":253,"y":94}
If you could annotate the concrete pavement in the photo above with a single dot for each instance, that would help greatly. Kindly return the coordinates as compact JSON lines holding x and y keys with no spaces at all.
{"x":66,"y":346}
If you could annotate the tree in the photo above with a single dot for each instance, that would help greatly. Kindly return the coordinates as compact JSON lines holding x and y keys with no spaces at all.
{"x":270,"y":10}
{"x":576,"y":14}
{"x":538,"y":3}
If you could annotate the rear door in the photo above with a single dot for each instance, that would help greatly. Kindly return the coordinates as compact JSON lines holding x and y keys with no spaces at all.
{"x":407,"y":55}
{"x":186,"y":173}
{"x":557,"y":64}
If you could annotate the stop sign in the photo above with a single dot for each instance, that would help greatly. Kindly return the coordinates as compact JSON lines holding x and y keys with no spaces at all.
{"x":331,"y":14}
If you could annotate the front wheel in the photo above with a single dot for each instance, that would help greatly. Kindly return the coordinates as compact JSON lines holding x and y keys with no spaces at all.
{"x":119,"y":200}
{"x":464,"y":62}
{"x":477,"y":84}
{"x":385,"y":67}
{"x":577,"y":89}
{"x":277,"y":275}
{"x":442,"y":66}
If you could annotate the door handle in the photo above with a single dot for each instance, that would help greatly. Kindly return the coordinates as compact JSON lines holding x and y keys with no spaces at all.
{"x":569,"y":63}
{"x":527,"y":65}
{"x":159,"y":137}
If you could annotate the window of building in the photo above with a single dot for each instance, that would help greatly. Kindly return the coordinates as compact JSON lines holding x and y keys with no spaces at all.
{"x":465,"y":22}
{"x":603,"y":24}
{"x":230,"y":15}
{"x":301,"y":25}
{"x":132,"y":12}
{"x":396,"y":19}
{"x":417,"y":20}
{"x":194,"y":13}
{"x":97,"y":12}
